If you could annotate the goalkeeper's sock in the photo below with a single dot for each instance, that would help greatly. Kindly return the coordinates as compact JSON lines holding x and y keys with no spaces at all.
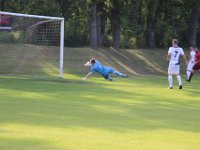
{"x":118,"y":73}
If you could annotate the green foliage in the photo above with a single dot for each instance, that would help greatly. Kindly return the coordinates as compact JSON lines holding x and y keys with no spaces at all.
{"x":76,"y":31}
{"x":37,"y":7}
{"x":173,"y":19}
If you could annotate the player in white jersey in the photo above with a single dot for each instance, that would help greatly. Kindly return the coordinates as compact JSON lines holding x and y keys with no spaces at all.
{"x":191,"y":62}
{"x":174,"y":54}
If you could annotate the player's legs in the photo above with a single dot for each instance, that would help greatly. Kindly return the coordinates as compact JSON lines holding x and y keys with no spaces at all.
{"x":195,"y":67}
{"x":188,"y":72}
{"x":170,"y":75}
{"x":107,"y":77}
{"x":170,"y":80}
{"x":119,"y":74}
{"x":189,"y":69}
{"x":179,"y":80}
{"x":177,"y":73}
{"x":174,"y":69}
{"x":191,"y":75}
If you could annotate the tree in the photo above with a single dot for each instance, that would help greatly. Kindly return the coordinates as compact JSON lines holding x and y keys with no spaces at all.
{"x":97,"y":17}
{"x":36,"y":7}
{"x":115,"y":23}
{"x":153,"y":10}
{"x":100,"y":20}
{"x":93,"y":25}
{"x":119,"y":23}
{"x":194,"y":21}
{"x":65,"y":7}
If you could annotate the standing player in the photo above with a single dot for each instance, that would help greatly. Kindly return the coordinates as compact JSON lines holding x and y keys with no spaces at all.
{"x":191,"y":62}
{"x":196,"y":65}
{"x":97,"y":66}
{"x":173,"y":57}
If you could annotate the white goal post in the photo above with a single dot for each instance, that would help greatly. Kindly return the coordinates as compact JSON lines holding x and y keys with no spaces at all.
{"x":46,"y":19}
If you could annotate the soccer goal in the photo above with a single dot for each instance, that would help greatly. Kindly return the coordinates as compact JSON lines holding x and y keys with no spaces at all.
{"x":31,"y":44}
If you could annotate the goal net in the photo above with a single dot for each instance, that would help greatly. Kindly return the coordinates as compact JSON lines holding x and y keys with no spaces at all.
{"x":31,"y":45}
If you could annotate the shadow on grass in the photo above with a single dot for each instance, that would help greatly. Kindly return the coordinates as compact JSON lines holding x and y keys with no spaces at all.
{"x":74,"y":103}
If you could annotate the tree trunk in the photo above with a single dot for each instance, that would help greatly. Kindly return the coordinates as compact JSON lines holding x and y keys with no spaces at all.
{"x":116,"y":36}
{"x":100,"y":23}
{"x":150,"y":32}
{"x":103,"y":28}
{"x":154,"y":8}
{"x":99,"y":35}
{"x":115,"y":21}
{"x":194,"y":20}
{"x":93,"y":26}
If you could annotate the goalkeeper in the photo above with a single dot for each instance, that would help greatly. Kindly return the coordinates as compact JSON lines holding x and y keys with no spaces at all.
{"x":97,"y":66}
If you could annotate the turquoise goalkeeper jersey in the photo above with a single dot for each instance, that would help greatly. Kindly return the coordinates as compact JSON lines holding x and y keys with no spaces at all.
{"x":101,"y":69}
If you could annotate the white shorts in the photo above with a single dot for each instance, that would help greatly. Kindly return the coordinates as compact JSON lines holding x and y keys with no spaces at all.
{"x":190,"y":66}
{"x":173,"y":69}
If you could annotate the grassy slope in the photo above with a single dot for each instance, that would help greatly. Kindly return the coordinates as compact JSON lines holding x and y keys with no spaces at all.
{"x":136,"y":113}
{"x":133,"y":62}
{"x":44,"y":60}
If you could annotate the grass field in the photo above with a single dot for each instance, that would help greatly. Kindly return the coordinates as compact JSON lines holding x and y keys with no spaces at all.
{"x":137,"y":113}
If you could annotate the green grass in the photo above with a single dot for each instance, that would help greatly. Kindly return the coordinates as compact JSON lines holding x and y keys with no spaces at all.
{"x":137,"y":113}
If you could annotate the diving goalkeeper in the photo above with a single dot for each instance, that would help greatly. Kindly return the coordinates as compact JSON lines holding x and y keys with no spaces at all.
{"x":97,"y":66}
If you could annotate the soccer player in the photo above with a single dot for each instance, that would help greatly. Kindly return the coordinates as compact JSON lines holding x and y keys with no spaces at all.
{"x":97,"y":66}
{"x":196,"y":65}
{"x":173,"y":57}
{"x":191,"y":62}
